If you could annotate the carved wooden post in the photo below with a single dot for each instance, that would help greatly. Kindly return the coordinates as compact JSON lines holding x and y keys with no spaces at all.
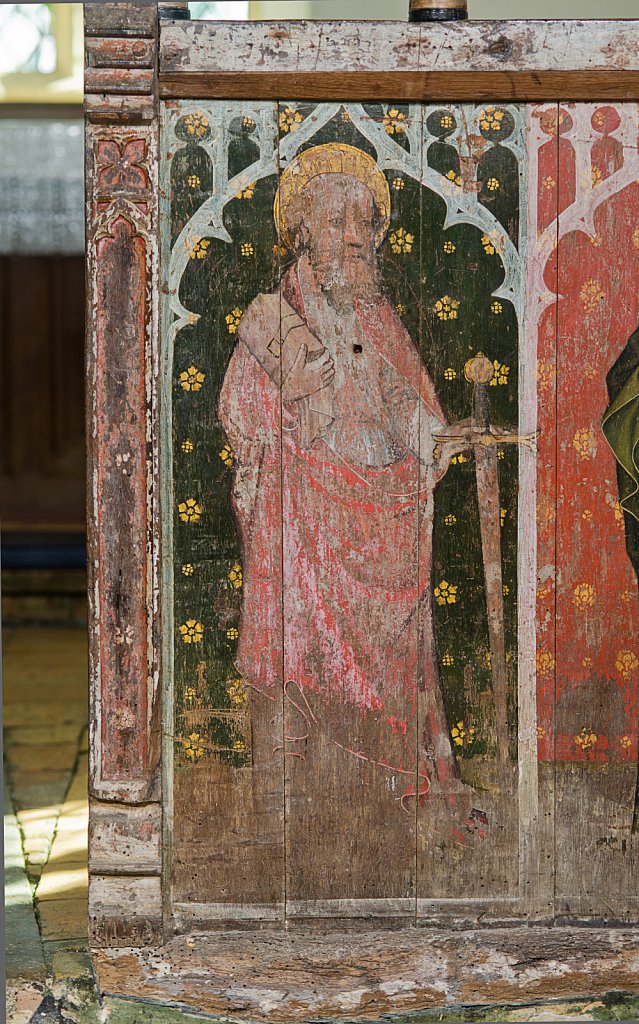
{"x":123,"y":556}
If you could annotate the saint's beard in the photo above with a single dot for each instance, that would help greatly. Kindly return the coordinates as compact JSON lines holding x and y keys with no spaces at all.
{"x":346,"y":278}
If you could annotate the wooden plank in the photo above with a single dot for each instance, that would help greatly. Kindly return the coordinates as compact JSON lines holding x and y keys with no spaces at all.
{"x":118,"y":80}
{"x":120,"y":53}
{"x":225,"y":728}
{"x":125,"y":839}
{"x":124,"y":911}
{"x":349,"y":492}
{"x":469,"y":811}
{"x":539,"y":481}
{"x":104,"y":108}
{"x":360,"y":972}
{"x":120,"y":19}
{"x":393,"y":46}
{"x":426,"y":86}
{"x":597,"y":611}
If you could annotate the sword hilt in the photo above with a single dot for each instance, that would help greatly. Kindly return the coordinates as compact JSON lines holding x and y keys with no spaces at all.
{"x":479,"y":372}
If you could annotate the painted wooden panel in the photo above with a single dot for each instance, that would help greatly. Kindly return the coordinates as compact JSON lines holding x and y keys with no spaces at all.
{"x":385,"y":742}
{"x":597,"y":611}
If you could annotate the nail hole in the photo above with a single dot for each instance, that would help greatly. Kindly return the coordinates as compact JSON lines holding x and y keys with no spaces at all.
{"x":357,"y":348}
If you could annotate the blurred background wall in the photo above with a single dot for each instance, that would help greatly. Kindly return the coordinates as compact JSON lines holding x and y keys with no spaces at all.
{"x":42,"y":276}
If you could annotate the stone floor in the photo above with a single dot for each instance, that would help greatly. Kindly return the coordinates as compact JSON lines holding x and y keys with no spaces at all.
{"x":49,"y":973}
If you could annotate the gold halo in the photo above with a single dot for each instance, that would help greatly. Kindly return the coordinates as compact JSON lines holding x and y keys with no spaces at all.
{"x":331,"y":158}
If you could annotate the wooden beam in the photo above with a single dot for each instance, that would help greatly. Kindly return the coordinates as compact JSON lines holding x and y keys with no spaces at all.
{"x":416,"y":86}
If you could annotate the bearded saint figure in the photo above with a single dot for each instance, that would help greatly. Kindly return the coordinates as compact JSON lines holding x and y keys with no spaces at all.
{"x":332,"y":417}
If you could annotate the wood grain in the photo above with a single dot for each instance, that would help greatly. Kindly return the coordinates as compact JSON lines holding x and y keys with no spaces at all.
{"x":125,"y":839}
{"x":124,"y":911}
{"x":367,"y":973}
{"x":388,"y":47}
{"x":425,"y":86}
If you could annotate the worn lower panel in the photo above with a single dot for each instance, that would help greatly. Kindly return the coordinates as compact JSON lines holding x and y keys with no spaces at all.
{"x":363,"y":974}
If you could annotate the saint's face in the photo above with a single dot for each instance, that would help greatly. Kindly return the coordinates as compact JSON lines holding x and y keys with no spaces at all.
{"x":340,"y":220}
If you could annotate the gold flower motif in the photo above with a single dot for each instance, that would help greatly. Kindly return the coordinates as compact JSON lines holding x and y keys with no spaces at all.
{"x":237,"y":692}
{"x":596,"y":175}
{"x":541,"y":732}
{"x":190,"y":511}
{"x":246,"y":249}
{"x":192,"y":379}
{"x":635,"y":238}
{"x":196,"y":124}
{"x":187,"y":446}
{"x":187,"y":569}
{"x":586,"y":515}
{"x":625,"y":596}
{"x":240,"y":746}
{"x":227,"y":455}
{"x":401,"y":241}
{"x":449,"y":247}
{"x":587,"y":662}
{"x":290,"y":119}
{"x":487,"y":243}
{"x":545,"y":374}
{"x":450,"y":373}
{"x":192,"y":746}
{"x":394,"y":121}
{"x":448,"y":660}
{"x":462,"y":735}
{"x":248,"y":122}
{"x":503,"y":512}
{"x":192,"y":631}
{"x":446,"y":593}
{"x":505,"y":590}
{"x":493,"y":184}
{"x":546,"y":512}
{"x":596,"y":241}
{"x":584,"y":595}
{"x":246,"y":193}
{"x":454,"y":178}
{"x":545,"y":663}
{"x":194,"y":181}
{"x":585,"y":443}
{"x":501,"y":454}
{"x":280,"y":250}
{"x":619,"y":516}
{"x":459,"y":458}
{"x":446,"y":308}
{"x":398,"y":184}
{"x":496,"y":307}
{"x":401,"y":308}
{"x":500,"y":375}
{"x":591,"y":294}
{"x":190,"y":694}
{"x":450,"y":519}
{"x":586,"y":739}
{"x":626,"y":663}
{"x":232,"y":633}
{"x":233,"y":318}
{"x":201,"y":249}
{"x":549,"y":183}
{"x":625,"y":742}
{"x":490,"y":119}
{"x":346,"y":116}
{"x":235,"y":576}
{"x":446,"y":121}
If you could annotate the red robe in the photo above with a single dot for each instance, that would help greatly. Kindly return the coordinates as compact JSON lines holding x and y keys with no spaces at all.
{"x":337,"y":602}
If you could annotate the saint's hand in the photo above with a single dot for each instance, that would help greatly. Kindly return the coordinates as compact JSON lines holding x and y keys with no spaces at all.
{"x":305,"y":378}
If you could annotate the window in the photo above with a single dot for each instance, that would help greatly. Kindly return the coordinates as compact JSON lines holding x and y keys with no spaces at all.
{"x":41,"y":56}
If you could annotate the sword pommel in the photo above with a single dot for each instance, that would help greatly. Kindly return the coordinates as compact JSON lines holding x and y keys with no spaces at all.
{"x":479,"y":370}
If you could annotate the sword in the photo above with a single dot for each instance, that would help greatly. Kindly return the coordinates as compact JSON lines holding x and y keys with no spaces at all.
{"x":478,"y":434}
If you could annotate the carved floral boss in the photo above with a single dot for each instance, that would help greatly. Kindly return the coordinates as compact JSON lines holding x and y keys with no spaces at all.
{"x":121,"y":165}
